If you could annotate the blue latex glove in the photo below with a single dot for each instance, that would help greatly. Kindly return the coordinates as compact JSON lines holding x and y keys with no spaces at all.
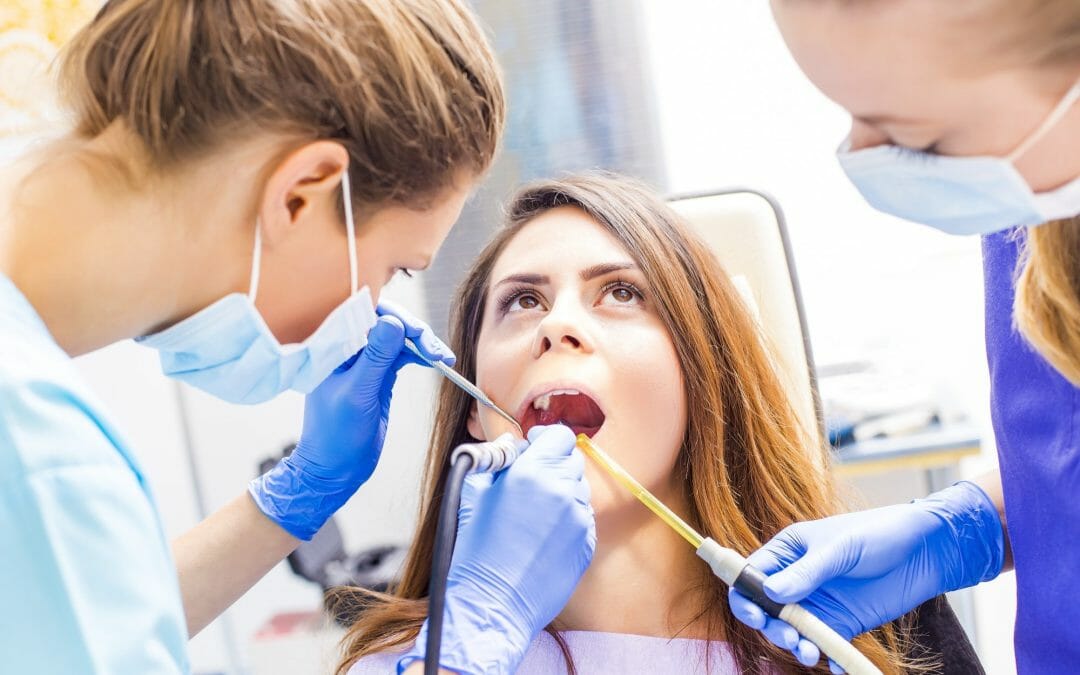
{"x":859,"y":570}
{"x":525,"y":537}
{"x":345,"y":421}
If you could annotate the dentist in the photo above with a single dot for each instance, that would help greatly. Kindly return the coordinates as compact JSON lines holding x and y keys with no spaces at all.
{"x":964,"y":118}
{"x":242,"y":180}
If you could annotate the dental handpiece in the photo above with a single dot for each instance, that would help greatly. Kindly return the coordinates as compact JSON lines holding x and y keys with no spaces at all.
{"x":734,"y":570}
{"x":468,"y":387}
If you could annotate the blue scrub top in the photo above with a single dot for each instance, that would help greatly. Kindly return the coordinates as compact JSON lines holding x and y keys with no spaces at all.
{"x":1036,"y":415}
{"x":87,"y":581}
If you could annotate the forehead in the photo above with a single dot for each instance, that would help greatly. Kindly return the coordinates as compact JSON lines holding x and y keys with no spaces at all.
{"x":563,"y":239}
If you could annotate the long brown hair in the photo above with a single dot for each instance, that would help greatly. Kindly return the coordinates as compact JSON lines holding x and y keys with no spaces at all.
{"x":411,"y":88}
{"x":748,"y":468}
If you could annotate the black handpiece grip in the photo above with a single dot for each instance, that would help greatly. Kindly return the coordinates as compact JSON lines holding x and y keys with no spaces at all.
{"x":751,"y":583}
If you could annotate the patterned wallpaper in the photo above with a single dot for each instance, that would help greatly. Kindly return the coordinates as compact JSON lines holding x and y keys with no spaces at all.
{"x":31,"y":33}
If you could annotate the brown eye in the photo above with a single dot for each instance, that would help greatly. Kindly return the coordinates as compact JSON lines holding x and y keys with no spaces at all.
{"x":622,"y":294}
{"x":528,"y":302}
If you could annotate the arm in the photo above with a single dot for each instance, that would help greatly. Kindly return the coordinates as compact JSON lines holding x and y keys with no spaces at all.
{"x":345,"y":421}
{"x":859,"y":570}
{"x":990,"y":483}
{"x":223,"y":556}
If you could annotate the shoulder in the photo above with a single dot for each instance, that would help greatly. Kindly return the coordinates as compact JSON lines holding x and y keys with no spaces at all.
{"x":376,"y":664}
{"x":49,"y":417}
{"x":598,"y":652}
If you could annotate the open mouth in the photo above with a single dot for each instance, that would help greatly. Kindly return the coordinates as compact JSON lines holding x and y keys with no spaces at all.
{"x":564,"y":406}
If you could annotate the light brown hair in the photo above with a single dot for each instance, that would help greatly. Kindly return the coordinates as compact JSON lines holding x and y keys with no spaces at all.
{"x":748,"y":471}
{"x":410,"y":87}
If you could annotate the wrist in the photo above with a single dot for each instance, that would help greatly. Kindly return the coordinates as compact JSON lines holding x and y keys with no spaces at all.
{"x":479,"y":638}
{"x":974,"y":529}
{"x":297,"y":503}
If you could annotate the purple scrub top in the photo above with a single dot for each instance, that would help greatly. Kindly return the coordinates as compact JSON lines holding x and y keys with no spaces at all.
{"x":1036,"y":414}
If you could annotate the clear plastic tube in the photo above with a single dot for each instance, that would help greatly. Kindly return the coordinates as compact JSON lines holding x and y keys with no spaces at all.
{"x":731,"y":567}
{"x":638,"y":490}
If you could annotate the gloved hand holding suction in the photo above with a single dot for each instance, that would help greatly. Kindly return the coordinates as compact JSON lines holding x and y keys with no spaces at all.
{"x":859,"y":570}
{"x":345,"y":421}
{"x":525,"y":537}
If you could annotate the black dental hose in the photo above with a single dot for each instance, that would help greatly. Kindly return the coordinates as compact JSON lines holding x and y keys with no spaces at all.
{"x":491,"y":456}
{"x":445,"y":536}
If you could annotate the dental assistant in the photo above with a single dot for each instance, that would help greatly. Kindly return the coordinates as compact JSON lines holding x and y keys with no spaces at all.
{"x":965,"y":117}
{"x":242,"y":180}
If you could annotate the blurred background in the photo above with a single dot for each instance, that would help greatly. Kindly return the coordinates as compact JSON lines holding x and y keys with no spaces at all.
{"x":686,"y":94}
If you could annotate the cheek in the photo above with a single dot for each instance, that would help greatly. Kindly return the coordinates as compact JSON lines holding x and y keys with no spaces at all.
{"x":647,"y":420}
{"x":499,"y":369}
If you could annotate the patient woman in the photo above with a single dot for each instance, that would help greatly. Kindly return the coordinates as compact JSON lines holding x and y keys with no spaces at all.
{"x":597,"y":307}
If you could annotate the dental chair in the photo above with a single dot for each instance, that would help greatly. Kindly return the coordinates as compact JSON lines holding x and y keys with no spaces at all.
{"x":747,"y":232}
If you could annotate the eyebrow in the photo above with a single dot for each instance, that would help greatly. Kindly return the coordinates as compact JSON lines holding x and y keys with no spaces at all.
{"x":590,"y":273}
{"x":587,"y":274}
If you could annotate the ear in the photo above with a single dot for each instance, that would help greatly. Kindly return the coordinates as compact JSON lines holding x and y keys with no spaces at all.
{"x":476,"y":430}
{"x":307,"y":177}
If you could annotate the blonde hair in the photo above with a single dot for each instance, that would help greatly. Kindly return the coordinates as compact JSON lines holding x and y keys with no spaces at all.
{"x":1047,"y":304}
{"x":410,"y":87}
{"x":746,"y":466}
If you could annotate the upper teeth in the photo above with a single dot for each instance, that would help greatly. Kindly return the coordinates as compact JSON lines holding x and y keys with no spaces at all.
{"x":543,"y":402}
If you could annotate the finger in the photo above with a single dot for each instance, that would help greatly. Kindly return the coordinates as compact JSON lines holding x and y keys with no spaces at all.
{"x":835,"y":668}
{"x":766,"y":561}
{"x":419,"y":332}
{"x":807,"y":653}
{"x":385,"y":341}
{"x":476,"y":484}
{"x":781,"y":634}
{"x":745,"y":610}
{"x":573,"y":465}
{"x":806,"y":575}
{"x":553,"y":441}
{"x":582,"y":492}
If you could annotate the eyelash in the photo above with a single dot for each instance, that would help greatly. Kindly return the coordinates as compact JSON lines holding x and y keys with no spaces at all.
{"x":515,"y":294}
{"x":618,"y":283}
{"x":406,"y":272}
{"x":919,"y":153}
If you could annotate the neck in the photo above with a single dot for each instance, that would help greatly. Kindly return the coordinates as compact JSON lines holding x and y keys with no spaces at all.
{"x":100,"y":259}
{"x":642,"y":579}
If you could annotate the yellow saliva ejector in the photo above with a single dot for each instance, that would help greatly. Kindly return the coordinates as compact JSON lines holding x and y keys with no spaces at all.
{"x":732,"y":569}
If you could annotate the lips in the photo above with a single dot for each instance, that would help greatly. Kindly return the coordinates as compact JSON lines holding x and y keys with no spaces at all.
{"x":564,"y":405}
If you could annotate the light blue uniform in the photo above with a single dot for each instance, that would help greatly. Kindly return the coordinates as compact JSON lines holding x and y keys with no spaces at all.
{"x":87,"y":581}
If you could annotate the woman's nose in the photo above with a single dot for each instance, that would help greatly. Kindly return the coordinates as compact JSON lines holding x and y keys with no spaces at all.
{"x":562,"y":329}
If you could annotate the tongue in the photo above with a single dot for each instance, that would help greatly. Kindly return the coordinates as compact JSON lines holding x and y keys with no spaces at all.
{"x":577,"y":411}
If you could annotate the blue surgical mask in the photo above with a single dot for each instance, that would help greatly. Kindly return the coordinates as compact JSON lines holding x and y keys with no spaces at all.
{"x":228,"y":350}
{"x":961,"y":195}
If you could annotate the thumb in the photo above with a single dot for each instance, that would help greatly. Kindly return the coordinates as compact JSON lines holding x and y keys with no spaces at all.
{"x":476,"y":485}
{"x":385,"y":341}
{"x":804,"y":576}
{"x":556,"y":440}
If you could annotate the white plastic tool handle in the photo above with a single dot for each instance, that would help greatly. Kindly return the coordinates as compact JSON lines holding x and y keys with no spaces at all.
{"x":727,"y":564}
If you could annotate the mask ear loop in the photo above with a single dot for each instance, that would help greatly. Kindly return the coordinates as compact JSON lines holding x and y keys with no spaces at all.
{"x":1053,"y":118}
{"x":256,"y":263}
{"x":350,"y":229}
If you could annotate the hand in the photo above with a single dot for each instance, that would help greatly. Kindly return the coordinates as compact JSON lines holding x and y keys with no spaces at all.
{"x":345,"y":422}
{"x":525,"y":537}
{"x":859,"y":570}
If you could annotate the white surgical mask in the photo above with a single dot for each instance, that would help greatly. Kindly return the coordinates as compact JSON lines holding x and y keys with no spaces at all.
{"x":961,"y":195}
{"x":228,"y":350}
